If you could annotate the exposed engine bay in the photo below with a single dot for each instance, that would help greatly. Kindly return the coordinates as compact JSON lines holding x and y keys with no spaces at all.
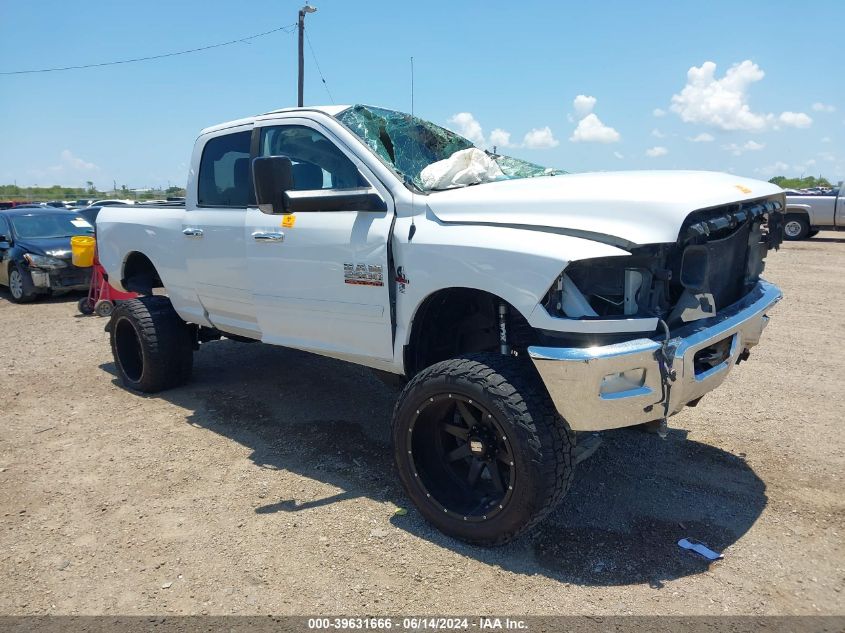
{"x":717,"y":259}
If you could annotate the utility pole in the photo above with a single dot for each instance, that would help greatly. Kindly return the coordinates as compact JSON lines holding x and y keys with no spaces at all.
{"x":301,"y":24}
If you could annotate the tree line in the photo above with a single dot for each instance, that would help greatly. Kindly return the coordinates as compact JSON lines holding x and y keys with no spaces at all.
{"x":800,"y":183}
{"x":57,"y":192}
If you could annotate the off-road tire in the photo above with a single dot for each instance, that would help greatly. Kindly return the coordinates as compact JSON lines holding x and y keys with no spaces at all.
{"x":152,"y":346}
{"x":23,"y":296}
{"x":801,"y":224}
{"x":540,"y":440}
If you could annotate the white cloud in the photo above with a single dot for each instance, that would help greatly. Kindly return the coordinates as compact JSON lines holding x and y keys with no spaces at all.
{"x":704,"y":137}
{"x":657,"y":133}
{"x":823,"y":107}
{"x":468,"y":127}
{"x":500,"y":138}
{"x":619,"y":155}
{"x":74,"y":162}
{"x":739,"y":150}
{"x":69,"y":169}
{"x":795,"y":119}
{"x":583,"y":104}
{"x":591,"y":130}
{"x":540,"y":138}
{"x":658,"y":112}
{"x":721,"y":103}
{"x":465,"y":124}
{"x":777,"y":169}
{"x":654,"y":152}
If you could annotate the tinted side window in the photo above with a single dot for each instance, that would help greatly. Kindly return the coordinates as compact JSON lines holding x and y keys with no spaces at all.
{"x":4,"y":227}
{"x":317,"y":162}
{"x":224,"y":171}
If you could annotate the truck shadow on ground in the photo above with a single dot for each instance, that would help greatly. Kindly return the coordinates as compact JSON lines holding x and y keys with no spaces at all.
{"x":327,"y":420}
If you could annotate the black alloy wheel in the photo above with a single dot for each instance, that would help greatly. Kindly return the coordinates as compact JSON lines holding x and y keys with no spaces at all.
{"x":480,"y":448}
{"x":462,"y":457}
{"x":151,"y":345}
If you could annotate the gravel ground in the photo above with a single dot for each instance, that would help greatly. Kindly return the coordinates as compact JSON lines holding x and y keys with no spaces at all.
{"x":266,"y":486}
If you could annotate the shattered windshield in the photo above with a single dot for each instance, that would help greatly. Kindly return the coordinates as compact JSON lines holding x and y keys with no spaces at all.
{"x":415,"y":148}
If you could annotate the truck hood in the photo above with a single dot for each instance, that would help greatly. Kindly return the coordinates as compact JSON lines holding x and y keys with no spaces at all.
{"x":633,"y":207}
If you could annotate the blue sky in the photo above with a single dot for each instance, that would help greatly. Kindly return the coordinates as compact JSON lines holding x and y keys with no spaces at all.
{"x":512,"y":67}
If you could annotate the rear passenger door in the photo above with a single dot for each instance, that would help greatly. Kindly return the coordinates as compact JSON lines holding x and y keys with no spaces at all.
{"x":213,"y":231}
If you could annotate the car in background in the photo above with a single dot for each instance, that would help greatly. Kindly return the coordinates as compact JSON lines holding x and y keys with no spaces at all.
{"x":31,"y":205}
{"x":35,"y":257}
{"x":809,"y":213}
{"x":113,"y":202}
{"x":90,"y":213}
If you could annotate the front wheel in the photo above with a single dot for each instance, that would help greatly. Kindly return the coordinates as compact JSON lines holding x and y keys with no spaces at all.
{"x":480,"y":448}
{"x":151,"y":344}
{"x":796,"y":227}
{"x":20,"y":286}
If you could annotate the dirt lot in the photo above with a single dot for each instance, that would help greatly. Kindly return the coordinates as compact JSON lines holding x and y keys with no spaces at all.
{"x":265,"y":485}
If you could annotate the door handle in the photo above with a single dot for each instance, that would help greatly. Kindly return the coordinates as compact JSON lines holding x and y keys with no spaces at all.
{"x":192,"y":232}
{"x":261,"y":236}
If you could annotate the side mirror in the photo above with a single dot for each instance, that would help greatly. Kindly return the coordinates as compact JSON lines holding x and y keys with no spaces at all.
{"x":4,"y":241}
{"x":272,"y":176}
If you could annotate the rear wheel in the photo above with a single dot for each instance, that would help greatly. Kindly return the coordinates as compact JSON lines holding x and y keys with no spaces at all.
{"x":480,"y":448}
{"x":796,"y":227}
{"x":152,"y":346}
{"x":20,"y":286}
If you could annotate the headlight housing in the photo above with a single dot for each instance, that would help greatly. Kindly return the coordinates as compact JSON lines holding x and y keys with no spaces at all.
{"x":44,"y":261}
{"x":612,"y":287}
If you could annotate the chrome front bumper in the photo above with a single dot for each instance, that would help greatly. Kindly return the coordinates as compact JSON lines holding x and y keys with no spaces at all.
{"x":618,"y":385}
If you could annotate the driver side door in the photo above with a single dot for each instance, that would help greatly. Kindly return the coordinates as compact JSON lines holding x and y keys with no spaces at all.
{"x":320,"y":279}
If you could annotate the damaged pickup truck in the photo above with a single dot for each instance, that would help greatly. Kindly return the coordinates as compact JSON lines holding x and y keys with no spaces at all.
{"x":521,"y":305}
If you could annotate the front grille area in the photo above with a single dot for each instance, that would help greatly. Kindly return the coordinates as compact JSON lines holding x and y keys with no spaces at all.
{"x":70,"y":276}
{"x":721,"y":251}
{"x":717,"y":259}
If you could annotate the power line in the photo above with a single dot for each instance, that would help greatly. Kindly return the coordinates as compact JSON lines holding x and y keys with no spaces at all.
{"x":320,"y":72}
{"x":287,"y":29}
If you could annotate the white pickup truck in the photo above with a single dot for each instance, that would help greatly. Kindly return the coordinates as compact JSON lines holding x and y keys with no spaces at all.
{"x":807,"y":214}
{"x":523,"y":308}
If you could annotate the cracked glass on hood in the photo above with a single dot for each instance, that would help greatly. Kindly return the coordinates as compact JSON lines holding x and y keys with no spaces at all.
{"x":409,"y":144}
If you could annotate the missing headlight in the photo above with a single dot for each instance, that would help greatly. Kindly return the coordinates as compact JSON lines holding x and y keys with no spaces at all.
{"x":610,"y":287}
